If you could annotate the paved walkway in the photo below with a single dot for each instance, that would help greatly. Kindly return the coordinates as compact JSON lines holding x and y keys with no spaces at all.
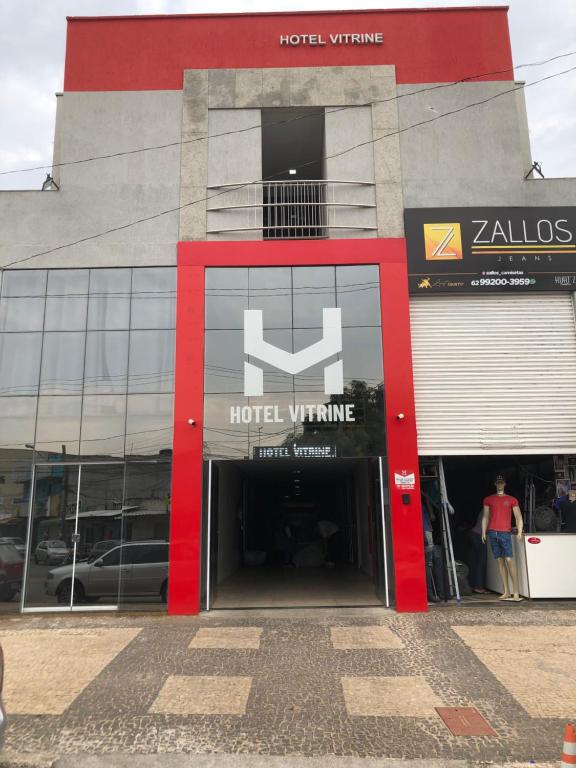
{"x":361,"y":683}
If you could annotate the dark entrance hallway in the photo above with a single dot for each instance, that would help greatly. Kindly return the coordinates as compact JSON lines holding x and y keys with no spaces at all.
{"x":293,"y":533}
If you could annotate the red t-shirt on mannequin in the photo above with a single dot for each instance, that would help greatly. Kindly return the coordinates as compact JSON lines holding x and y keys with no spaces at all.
{"x":500,"y":505}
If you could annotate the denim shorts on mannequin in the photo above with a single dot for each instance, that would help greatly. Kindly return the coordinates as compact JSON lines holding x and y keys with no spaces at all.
{"x":500,"y":543}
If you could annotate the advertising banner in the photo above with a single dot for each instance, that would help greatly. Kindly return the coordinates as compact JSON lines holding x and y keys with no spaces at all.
{"x":472,"y":250}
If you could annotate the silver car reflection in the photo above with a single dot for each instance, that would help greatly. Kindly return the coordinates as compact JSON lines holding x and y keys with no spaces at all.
{"x":138,"y":569}
{"x":51,"y":551}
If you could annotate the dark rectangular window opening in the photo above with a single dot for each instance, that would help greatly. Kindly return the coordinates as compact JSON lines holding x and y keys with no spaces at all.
{"x":293,"y":173}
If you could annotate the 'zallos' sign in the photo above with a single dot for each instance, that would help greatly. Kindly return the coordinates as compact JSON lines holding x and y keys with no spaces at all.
{"x":338,"y":38}
{"x":491,"y":249}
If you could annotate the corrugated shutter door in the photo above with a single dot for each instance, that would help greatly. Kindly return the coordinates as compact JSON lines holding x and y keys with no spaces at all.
{"x":494,"y":374}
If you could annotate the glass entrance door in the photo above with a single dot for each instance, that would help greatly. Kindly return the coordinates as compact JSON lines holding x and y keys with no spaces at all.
{"x":75,"y":531}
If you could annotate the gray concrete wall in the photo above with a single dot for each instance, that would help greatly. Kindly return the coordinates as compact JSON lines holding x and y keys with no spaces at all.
{"x":234,"y":158}
{"x":103,"y":194}
{"x":226,"y":99}
{"x":478,"y":156}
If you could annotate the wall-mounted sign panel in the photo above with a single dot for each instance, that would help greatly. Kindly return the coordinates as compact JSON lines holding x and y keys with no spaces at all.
{"x":296,"y":451}
{"x":473,"y":250}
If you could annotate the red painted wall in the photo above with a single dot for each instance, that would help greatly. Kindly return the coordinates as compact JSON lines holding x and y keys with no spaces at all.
{"x":390,"y":254}
{"x":186,"y":498}
{"x":150,"y":53}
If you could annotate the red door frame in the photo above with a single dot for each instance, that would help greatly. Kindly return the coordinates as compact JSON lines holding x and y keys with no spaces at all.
{"x":186,"y":508}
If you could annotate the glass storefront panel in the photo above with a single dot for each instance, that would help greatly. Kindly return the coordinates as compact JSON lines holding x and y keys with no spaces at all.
{"x":24,"y":282}
{"x":20,"y":363}
{"x":314,"y":289}
{"x":226,"y":298}
{"x":50,"y":545}
{"x":149,"y":425}
{"x":270,"y":290}
{"x":224,"y":361}
{"x":358,"y":294}
{"x":21,"y":314}
{"x":97,"y":537}
{"x":68,"y":397}
{"x":153,"y":298}
{"x":109,"y":301}
{"x":151,"y":356}
{"x":307,"y":388}
{"x":17,"y":416}
{"x":103,"y":426}
{"x":68,"y":283}
{"x":65,"y":313}
{"x":62,"y":363}
{"x":146,"y":524}
{"x":106,"y":367}
{"x":58,"y":426}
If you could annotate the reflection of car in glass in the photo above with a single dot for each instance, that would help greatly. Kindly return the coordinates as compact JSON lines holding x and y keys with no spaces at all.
{"x":2,"y":710}
{"x":11,"y":570}
{"x":100,"y":547}
{"x":51,"y":551}
{"x":141,"y":566}
{"x":16,"y":542}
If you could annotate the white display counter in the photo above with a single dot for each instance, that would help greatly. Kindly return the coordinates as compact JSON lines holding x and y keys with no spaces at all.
{"x":546,"y":565}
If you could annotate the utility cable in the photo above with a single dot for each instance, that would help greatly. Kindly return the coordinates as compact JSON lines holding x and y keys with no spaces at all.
{"x":235,"y":188}
{"x":397,"y":97}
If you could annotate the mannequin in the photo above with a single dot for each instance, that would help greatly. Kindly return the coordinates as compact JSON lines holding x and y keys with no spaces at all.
{"x":496,"y":521}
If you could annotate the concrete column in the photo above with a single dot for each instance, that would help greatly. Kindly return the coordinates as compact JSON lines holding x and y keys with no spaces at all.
{"x":345,"y":128}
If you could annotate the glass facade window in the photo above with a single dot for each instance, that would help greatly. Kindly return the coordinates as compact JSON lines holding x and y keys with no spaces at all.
{"x":20,"y":363}
{"x":77,"y":334}
{"x":109,"y":299}
{"x":58,"y":427}
{"x":24,"y":282}
{"x":153,"y":298}
{"x":86,"y":390}
{"x":106,"y":367}
{"x":226,"y":298}
{"x":334,"y":401}
{"x":151,"y":361}
{"x":22,"y":314}
{"x":103,"y":425}
{"x":67,"y":300}
{"x":149,"y":425}
{"x":62,"y":363}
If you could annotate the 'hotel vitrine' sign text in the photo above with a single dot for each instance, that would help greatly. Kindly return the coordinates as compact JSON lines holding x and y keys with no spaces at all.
{"x":339,"y":38}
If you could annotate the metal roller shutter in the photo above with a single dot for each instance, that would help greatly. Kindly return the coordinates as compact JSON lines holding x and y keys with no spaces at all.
{"x":495,"y":374}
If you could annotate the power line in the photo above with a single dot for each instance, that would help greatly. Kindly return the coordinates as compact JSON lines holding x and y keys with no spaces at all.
{"x":158,"y":215}
{"x":309,"y":115}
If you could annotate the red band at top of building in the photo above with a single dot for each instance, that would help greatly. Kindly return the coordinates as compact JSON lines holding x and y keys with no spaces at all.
{"x":151,"y":52}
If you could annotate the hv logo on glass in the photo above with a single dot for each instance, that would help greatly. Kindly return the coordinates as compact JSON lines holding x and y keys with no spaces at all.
{"x":292,"y":362}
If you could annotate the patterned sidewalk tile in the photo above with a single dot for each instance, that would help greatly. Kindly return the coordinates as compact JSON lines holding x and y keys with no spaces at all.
{"x":227,"y":637}
{"x":47,"y":669}
{"x":535,"y":664}
{"x":355,"y":638}
{"x":203,"y":695}
{"x":389,"y":697}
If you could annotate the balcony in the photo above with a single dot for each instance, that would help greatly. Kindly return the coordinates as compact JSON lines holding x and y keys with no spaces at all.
{"x":292,"y":210}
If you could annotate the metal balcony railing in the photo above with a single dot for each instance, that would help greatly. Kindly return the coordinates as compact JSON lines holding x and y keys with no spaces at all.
{"x":294,"y":210}
{"x":291,"y":209}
